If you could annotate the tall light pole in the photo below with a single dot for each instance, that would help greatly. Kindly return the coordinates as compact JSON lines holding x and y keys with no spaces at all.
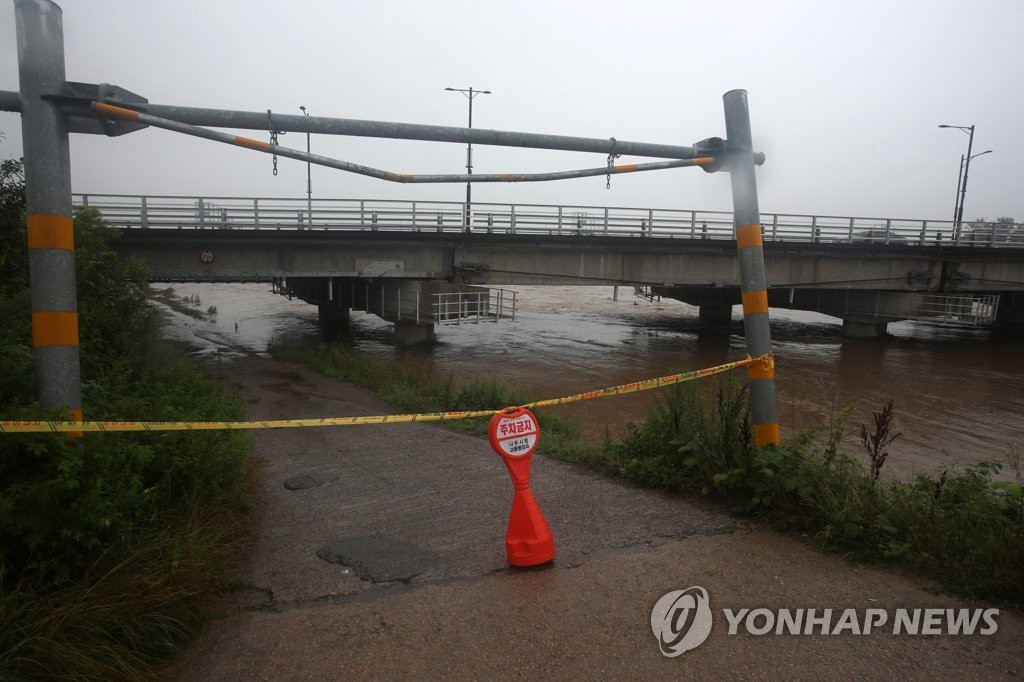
{"x":958,"y":216}
{"x":470,"y":93}
{"x":309,"y":177}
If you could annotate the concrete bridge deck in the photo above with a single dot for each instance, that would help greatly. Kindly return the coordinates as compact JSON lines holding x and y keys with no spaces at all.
{"x":867,"y":271}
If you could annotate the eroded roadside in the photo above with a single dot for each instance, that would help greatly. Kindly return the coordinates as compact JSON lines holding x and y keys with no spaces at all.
{"x":379,"y":552}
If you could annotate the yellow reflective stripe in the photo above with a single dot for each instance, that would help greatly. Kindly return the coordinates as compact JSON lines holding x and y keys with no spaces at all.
{"x":50,"y":232}
{"x":250,"y":143}
{"x":755,"y":302}
{"x":762,"y":368}
{"x":116,"y":112}
{"x":748,"y":236}
{"x":767,"y":434}
{"x":54,"y":329}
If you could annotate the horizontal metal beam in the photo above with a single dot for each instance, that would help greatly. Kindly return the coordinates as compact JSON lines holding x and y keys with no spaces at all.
{"x":323,"y":125}
{"x":10,"y":101}
{"x":258,"y":145}
{"x":248,"y":120}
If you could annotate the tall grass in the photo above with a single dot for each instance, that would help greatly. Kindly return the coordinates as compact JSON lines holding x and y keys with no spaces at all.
{"x":139,"y":601}
{"x":412,"y":387}
{"x":960,"y":527}
{"x":109,"y":544}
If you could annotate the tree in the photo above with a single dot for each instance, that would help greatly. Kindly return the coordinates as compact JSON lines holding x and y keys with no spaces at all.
{"x":1001,"y":230}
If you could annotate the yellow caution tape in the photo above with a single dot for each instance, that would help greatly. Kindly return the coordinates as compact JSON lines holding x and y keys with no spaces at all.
{"x":71,"y":427}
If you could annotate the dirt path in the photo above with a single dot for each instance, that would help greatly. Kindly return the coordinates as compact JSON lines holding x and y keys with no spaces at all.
{"x":380,"y":554}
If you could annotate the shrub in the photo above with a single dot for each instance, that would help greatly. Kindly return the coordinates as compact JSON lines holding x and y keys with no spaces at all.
{"x":107,"y":540}
{"x":961,"y":527}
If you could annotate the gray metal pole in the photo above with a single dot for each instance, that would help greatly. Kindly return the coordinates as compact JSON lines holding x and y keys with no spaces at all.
{"x":963,"y":188}
{"x":51,"y":240}
{"x":753,"y":282}
{"x":322,"y":125}
{"x":956,"y":197}
{"x":469,"y":167}
{"x":249,"y":143}
{"x":309,"y":178}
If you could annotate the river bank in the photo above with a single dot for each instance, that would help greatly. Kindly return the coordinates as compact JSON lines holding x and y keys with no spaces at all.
{"x":958,"y":395}
{"x":416,"y":516}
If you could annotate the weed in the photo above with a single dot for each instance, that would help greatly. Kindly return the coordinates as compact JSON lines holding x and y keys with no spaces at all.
{"x":878,"y":441}
{"x":107,"y":543}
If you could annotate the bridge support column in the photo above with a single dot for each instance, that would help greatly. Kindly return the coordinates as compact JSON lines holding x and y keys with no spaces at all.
{"x":715,"y":317}
{"x":1010,"y":316}
{"x":332,"y":317}
{"x":410,"y":333}
{"x":859,"y":329}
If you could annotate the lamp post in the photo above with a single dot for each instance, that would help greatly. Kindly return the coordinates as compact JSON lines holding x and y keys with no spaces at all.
{"x":470,"y":93}
{"x":958,"y":213}
{"x":309,"y":177}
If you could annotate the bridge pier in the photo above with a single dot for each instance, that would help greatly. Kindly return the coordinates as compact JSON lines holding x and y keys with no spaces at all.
{"x":860,"y":329}
{"x":333,"y":318}
{"x":409,"y":333}
{"x":1011,"y":312}
{"x":715,"y":317}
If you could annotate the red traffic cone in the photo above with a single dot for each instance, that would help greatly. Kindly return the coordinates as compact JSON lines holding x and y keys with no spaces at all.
{"x":514,"y":436}
{"x":528,"y":541}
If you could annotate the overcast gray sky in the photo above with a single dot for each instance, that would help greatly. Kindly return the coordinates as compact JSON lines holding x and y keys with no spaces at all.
{"x":845,"y":97}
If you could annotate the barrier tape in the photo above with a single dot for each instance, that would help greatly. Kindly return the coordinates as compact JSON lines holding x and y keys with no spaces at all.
{"x":108,"y":426}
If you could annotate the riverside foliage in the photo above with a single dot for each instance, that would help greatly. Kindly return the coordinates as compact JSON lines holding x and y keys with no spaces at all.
{"x":109,"y":542}
{"x":962,"y":527}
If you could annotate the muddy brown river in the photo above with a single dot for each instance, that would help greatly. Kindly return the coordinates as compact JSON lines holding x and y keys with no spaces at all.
{"x":959,"y":394}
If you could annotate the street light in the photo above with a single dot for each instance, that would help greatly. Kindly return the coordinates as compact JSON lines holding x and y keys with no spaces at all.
{"x":309,"y":177}
{"x":470,"y":93}
{"x":958,"y":213}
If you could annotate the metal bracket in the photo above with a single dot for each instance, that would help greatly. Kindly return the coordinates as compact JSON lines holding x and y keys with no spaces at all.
{"x":720,"y":149}
{"x":75,"y":100}
{"x":712,"y":146}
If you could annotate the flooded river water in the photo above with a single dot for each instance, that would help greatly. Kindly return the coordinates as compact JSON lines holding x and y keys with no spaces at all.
{"x":959,"y":395}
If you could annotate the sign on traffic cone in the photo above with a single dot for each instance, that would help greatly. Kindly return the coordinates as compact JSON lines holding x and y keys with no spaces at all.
{"x":514,"y":435}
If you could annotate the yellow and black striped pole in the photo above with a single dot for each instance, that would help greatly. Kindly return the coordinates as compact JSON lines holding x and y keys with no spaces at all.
{"x":753,"y":281}
{"x":51,"y":241}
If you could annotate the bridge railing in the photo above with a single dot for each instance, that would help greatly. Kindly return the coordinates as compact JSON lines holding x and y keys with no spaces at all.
{"x":235,"y":213}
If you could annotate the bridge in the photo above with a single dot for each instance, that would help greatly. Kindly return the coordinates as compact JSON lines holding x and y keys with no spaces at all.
{"x":408,"y":261}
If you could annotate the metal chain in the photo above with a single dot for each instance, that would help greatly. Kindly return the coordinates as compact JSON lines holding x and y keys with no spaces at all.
{"x":611,"y":161}
{"x":273,"y":136}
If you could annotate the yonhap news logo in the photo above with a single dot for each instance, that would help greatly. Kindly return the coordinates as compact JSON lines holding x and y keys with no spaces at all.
{"x":682,"y":620}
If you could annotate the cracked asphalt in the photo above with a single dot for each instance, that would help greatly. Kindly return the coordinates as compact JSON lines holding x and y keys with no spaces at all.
{"x":379,"y":554}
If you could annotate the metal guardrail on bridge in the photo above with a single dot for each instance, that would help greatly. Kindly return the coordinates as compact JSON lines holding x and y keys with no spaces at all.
{"x":235,"y":213}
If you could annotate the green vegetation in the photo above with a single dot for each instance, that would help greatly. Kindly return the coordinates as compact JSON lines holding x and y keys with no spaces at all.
{"x":411,"y":387}
{"x":961,"y":528}
{"x":109,"y":543}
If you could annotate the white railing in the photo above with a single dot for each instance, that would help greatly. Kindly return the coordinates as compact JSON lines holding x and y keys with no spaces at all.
{"x":457,"y":307}
{"x":235,"y":213}
{"x":957,"y":310}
